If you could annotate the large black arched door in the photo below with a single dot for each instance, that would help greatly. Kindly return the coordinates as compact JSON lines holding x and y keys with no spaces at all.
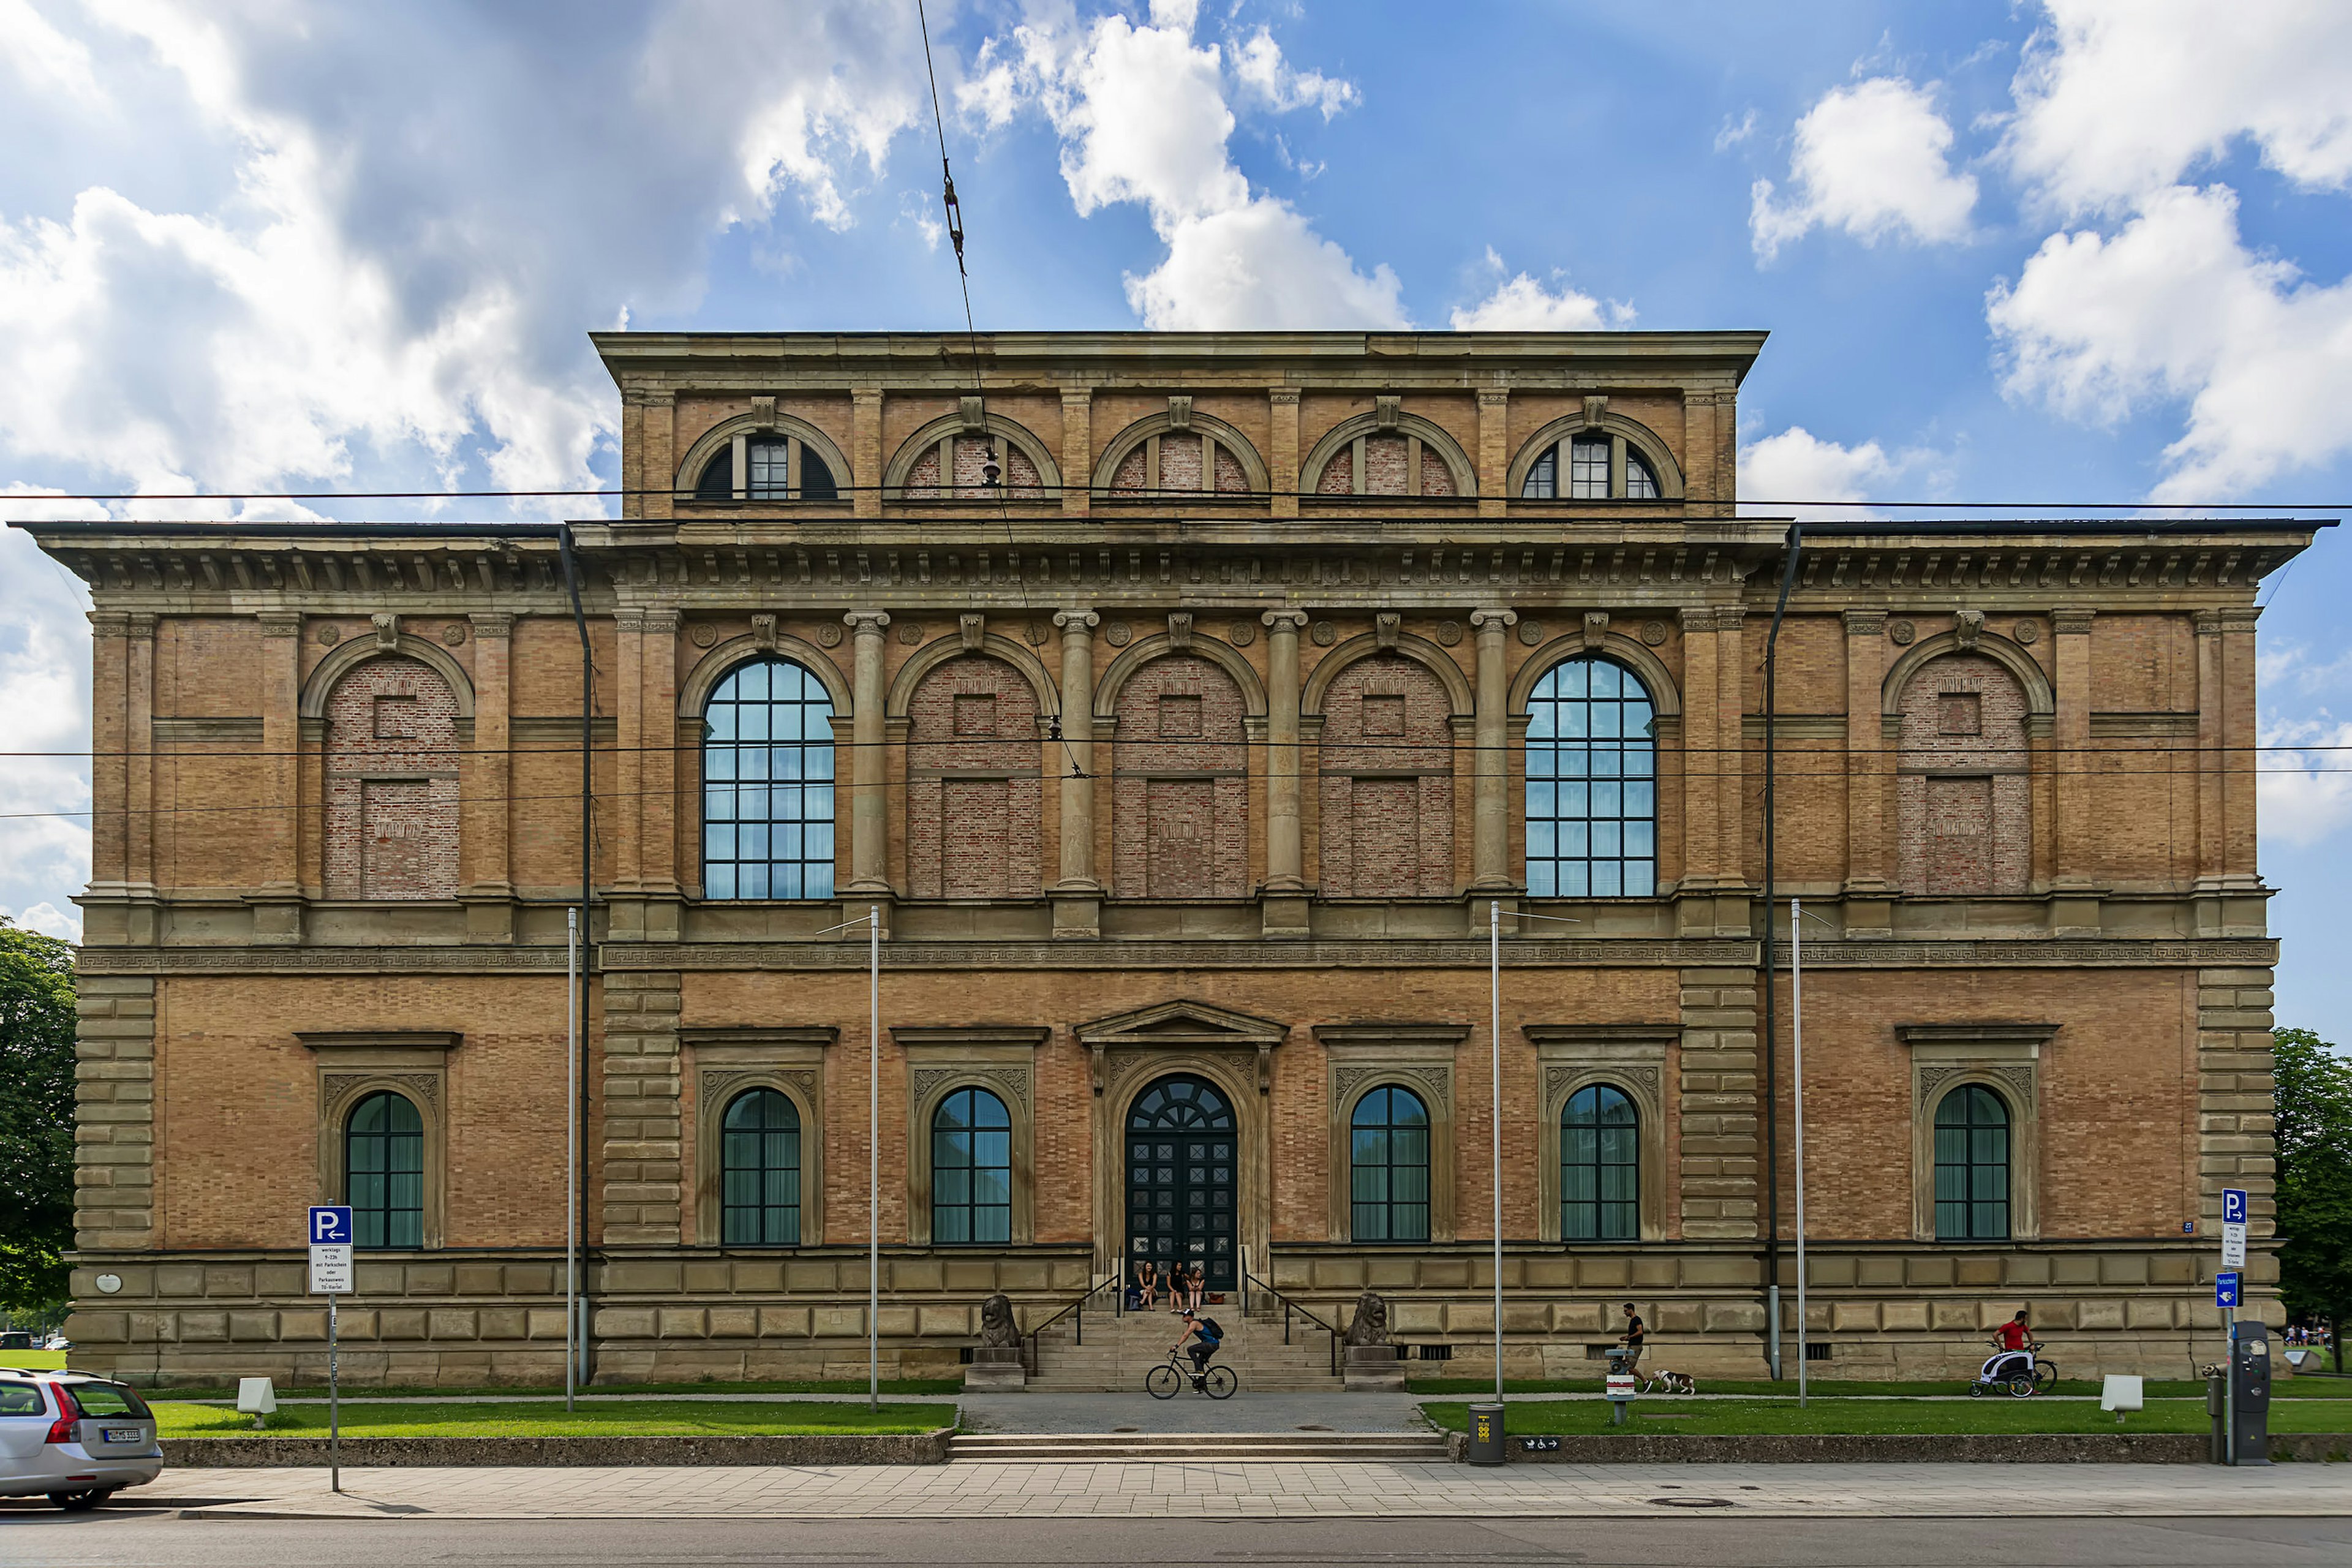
{"x":1182,"y":1167}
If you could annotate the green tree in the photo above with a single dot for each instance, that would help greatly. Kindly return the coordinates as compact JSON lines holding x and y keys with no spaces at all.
{"x":37,"y":1119}
{"x":2315,"y":1179}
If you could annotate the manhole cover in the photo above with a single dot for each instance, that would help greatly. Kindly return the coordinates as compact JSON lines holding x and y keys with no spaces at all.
{"x":1692,"y":1501}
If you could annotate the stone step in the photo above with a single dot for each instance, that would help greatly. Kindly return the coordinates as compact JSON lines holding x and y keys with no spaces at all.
{"x":1360,"y":1447}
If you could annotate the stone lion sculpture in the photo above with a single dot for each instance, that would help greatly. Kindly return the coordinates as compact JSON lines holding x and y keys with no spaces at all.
{"x":1370,"y":1324}
{"x":997,"y":1328}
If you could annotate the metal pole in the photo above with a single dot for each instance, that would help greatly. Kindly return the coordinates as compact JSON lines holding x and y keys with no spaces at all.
{"x":571,"y":1156}
{"x":334,"y":1404}
{"x":873,"y":1157}
{"x":576,"y":1112}
{"x":1770,"y":1035}
{"x":2230,"y":1381}
{"x":1494,"y":1043}
{"x":1797,"y":1025}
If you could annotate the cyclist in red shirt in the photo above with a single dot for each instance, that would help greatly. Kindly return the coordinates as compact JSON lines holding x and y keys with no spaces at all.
{"x":2015,"y":1334}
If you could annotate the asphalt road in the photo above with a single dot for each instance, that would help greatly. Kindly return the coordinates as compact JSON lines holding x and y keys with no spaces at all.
{"x":132,"y":1538}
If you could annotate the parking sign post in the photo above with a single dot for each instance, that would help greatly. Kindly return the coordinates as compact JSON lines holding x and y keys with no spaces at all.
{"x":330,"y":1276}
{"x":2227,"y":1288}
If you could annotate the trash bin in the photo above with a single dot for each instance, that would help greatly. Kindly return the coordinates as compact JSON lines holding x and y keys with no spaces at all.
{"x":1487,"y":1434}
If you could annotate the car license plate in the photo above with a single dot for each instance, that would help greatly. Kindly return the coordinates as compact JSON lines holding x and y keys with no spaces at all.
{"x":121,"y":1433}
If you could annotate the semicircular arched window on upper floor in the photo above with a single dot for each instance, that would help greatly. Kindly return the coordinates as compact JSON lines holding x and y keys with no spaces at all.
{"x":771,"y":465}
{"x":1591,"y":466}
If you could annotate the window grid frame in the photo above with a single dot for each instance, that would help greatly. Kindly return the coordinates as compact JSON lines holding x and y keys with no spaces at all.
{"x":372,"y":1193}
{"x":1385,"y":1209}
{"x":970,"y":1166}
{"x":724,"y":878}
{"x":1609,"y":1214}
{"x":1975,"y":1171}
{"x":1631,"y":753}
{"x":765,"y":1169}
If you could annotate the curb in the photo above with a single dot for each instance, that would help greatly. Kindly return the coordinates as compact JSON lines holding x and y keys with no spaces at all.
{"x":425,"y":1453}
{"x":1897,"y":1448}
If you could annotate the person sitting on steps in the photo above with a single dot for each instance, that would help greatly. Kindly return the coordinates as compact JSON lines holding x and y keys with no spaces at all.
{"x":1207,"y":1336}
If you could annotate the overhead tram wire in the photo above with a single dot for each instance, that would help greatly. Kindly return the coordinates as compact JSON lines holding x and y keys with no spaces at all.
{"x":954,"y":210}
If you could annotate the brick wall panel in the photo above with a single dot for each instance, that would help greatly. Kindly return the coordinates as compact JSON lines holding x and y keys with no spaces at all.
{"x":1387,"y":782}
{"x":1180,"y":810}
{"x":391,"y":837}
{"x":1963,"y":811}
{"x":974,"y":802}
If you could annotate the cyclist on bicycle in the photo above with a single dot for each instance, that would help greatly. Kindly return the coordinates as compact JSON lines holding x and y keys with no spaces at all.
{"x":1206,"y":1335}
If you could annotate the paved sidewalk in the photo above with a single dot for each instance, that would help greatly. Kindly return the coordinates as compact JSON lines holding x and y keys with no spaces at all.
{"x":1279,"y":1489}
{"x":1189,"y":1411}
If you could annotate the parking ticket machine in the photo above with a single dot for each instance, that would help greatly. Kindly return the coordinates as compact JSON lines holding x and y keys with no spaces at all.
{"x":2249,"y":1391}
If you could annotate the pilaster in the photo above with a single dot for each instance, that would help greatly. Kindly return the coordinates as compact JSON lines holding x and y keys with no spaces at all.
{"x":1077,"y":453}
{"x":139,"y":772}
{"x":277,"y":899}
{"x":1282,"y":450}
{"x":1494,"y":450}
{"x":485,"y":839}
{"x":869,"y":819}
{"x":109,"y":743}
{"x":1078,"y":895}
{"x":865,"y":451}
{"x":1285,"y":909}
{"x":1869,"y":894}
{"x":661,"y":453}
{"x":629,"y":751}
{"x":1490,"y":805}
{"x":2075,"y":889}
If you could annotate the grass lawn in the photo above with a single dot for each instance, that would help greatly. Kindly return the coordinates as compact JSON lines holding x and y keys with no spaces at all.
{"x":34,"y":1361}
{"x":1744,"y":1416}
{"x":602,"y":1391}
{"x":457,"y":1418}
{"x":1825,"y":1388}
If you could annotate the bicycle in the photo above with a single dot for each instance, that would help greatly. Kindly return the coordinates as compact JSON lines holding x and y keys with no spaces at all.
{"x":1163,"y":1381}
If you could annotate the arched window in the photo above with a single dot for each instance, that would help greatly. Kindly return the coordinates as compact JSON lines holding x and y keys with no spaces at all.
{"x":1600,"y":1166}
{"x":384,"y":1172}
{"x":1599,"y":467}
{"x":760,"y":1163}
{"x":767,"y":785}
{"x":972,"y":1170}
{"x":1592,"y":787}
{"x":1388,"y":1156}
{"x":1972,"y":1166}
{"x":775,"y":468}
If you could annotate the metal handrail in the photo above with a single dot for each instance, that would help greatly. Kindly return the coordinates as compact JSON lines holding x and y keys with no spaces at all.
{"x":1288,"y":1307}
{"x":1076,"y":1307}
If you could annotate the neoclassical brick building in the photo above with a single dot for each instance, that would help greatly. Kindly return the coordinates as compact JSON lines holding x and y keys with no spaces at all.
{"x":1181,"y":703}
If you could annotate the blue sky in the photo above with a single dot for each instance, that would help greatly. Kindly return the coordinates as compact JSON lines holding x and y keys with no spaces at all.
{"x":2081,"y":250}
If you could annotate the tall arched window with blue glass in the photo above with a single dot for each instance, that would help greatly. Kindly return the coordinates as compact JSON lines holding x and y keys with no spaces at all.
{"x":767,"y":783}
{"x":1592,"y":782}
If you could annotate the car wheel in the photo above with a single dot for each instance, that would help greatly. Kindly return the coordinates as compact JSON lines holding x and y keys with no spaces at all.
{"x":81,"y":1501}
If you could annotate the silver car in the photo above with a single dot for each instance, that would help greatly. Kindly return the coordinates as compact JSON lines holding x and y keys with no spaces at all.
{"x":76,"y":1439}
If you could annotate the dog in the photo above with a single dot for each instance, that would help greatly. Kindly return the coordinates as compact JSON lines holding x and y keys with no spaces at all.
{"x":1662,"y":1381}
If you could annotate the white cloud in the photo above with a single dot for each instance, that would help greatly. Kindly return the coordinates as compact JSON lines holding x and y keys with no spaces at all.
{"x":1873,"y":159}
{"x":1798,"y":466}
{"x":2173,"y":306}
{"x":2305,"y":795}
{"x":1521,"y":304}
{"x":45,"y":692}
{"x":1144,"y":117}
{"x":1265,"y":75}
{"x":1729,"y":135}
{"x":47,"y":919}
{"x":2115,"y":100}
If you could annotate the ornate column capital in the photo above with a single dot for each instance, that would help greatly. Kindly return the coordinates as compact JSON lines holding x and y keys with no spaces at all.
{"x":140,"y":627}
{"x":281,"y":624}
{"x":1283,"y":395}
{"x":628,"y":621}
{"x":2071,"y":623}
{"x":866,"y":622}
{"x":661,"y":621}
{"x":1493,"y":623}
{"x":1696,"y":619}
{"x":1493,"y":396}
{"x":1076,"y":623}
{"x":496,"y":624}
{"x":108,"y":623}
{"x":1286,"y":623}
{"x":1864,"y":623}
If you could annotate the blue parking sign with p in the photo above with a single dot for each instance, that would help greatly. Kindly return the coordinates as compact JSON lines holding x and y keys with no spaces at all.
{"x":330,"y":1225}
{"x":2234,"y":1205}
{"x":2225,"y":1289}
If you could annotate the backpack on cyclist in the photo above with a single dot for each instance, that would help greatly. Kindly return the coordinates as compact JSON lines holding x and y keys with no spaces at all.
{"x":1208,"y":1329}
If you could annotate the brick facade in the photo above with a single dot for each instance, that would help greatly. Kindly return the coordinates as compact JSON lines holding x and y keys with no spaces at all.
{"x":1228,"y":783}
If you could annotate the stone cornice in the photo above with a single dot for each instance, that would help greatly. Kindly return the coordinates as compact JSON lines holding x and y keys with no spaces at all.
{"x":1400,"y":953}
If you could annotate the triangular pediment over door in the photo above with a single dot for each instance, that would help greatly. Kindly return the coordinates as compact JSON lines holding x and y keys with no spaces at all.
{"x":1183,"y":1025}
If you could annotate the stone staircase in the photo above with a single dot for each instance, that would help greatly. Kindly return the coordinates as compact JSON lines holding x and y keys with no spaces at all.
{"x":1201,"y":1447}
{"x":1119,"y":1351}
